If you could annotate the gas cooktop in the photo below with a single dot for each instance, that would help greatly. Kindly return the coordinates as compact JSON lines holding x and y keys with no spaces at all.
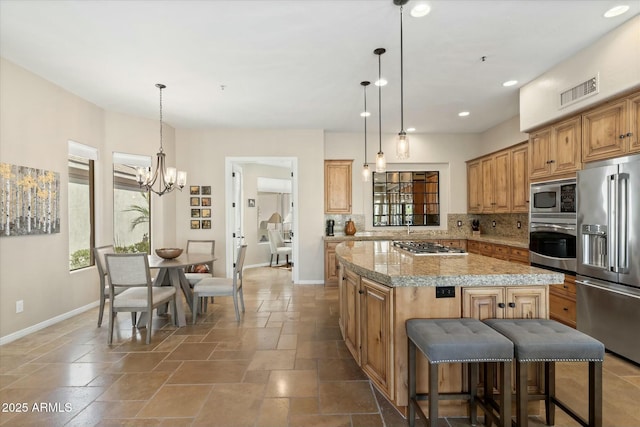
{"x":427,"y":248}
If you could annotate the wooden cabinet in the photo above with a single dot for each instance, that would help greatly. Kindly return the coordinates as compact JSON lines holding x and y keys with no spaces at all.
{"x":519,"y":255}
{"x":376,"y":314}
{"x":562,"y":301}
{"x":520,"y":178}
{"x":611,"y":130}
{"x":366,"y":320}
{"x":555,"y":151}
{"x":496,"y":183}
{"x":517,"y":302}
{"x":457,"y":243}
{"x":473,"y":247}
{"x":330,"y":264}
{"x":474,"y":187}
{"x":504,"y":252}
{"x":337,"y":186}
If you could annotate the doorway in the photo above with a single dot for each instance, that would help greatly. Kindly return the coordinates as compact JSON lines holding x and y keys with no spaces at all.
{"x":243,"y":210}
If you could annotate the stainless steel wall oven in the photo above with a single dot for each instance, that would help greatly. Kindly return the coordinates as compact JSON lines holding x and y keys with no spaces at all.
{"x":552,"y":225}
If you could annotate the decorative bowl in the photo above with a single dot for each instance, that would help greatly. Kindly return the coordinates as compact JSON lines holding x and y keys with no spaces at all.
{"x":168,"y":253}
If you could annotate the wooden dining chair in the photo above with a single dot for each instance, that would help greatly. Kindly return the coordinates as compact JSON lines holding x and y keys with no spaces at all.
{"x":221,"y":286}
{"x":131,"y":273}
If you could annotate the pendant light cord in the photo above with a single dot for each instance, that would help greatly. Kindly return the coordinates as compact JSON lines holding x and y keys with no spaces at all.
{"x":160,"y":86}
{"x":381,"y":51}
{"x":365,"y":121}
{"x":401,"y":76}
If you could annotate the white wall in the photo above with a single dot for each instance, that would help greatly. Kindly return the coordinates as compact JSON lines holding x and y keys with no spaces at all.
{"x":439,"y":151}
{"x":38,"y":118}
{"x":502,"y":135}
{"x":615,"y":57}
{"x":203,"y":153}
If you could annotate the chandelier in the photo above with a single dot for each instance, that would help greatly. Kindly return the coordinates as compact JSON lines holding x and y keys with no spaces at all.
{"x":167,"y":178}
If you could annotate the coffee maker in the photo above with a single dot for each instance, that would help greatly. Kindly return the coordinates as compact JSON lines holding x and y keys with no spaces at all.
{"x":330,"y":224}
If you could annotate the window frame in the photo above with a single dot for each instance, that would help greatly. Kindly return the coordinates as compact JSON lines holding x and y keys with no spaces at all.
{"x":82,"y":176}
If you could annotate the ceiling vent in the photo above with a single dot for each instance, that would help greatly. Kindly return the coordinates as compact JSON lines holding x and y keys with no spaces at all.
{"x":577,"y":93}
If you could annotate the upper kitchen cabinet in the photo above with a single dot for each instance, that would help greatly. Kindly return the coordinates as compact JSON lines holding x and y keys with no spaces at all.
{"x":474,"y":186}
{"x":611,"y":130}
{"x":555,"y":151}
{"x":490,"y":181}
{"x":337,"y":186}
{"x":520,"y":178}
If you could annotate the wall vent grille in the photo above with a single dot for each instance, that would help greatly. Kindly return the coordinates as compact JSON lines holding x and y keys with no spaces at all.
{"x":577,"y":93}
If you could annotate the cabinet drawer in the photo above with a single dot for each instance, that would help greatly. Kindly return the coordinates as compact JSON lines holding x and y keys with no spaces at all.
{"x":452,"y":243}
{"x":486,"y":249}
{"x":568,"y":288}
{"x":501,"y":252}
{"x":520,"y":255}
{"x":473,"y":246}
{"x":562,"y":309}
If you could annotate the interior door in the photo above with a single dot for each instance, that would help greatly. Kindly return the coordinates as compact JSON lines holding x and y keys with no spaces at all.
{"x":237,"y":235}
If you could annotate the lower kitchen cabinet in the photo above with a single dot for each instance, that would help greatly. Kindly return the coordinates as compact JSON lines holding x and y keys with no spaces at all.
{"x":562,"y":301}
{"x":330,"y":264}
{"x":507,"y":253}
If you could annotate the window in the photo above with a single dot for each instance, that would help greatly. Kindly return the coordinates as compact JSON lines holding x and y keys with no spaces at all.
{"x":131,"y":212}
{"x":402,"y":198}
{"x":81,"y":212}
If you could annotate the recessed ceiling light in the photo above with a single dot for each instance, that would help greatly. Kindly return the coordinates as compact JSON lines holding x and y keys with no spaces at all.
{"x":411,"y":129}
{"x":510,"y":83}
{"x":463,"y":113}
{"x":365,"y":114}
{"x":381,"y":82}
{"x":420,"y":10}
{"x":616,"y":10}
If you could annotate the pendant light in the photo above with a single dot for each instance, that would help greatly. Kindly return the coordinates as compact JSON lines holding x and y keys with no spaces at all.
{"x":166,"y":178}
{"x":366,"y":173}
{"x":402,"y":141}
{"x":381,"y":162}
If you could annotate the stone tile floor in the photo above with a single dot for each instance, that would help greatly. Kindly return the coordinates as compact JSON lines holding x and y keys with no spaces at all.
{"x":284,"y":364}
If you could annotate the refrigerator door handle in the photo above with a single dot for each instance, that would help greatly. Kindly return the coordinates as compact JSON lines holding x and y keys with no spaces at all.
{"x":612,"y":219}
{"x":623,"y":223}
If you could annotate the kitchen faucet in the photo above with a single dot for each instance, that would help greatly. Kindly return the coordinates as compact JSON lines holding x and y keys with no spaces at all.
{"x":408,"y":228}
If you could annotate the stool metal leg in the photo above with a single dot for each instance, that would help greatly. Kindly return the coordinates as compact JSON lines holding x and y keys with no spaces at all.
{"x":411,"y":416}
{"x":550,"y":392}
{"x":595,"y":394}
{"x":433,"y":395}
{"x":522,"y":369}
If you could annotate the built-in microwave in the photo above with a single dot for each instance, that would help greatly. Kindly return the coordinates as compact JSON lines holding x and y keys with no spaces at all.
{"x":553,"y":197}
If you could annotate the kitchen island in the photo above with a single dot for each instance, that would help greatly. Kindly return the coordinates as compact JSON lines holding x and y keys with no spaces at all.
{"x":382,"y":286}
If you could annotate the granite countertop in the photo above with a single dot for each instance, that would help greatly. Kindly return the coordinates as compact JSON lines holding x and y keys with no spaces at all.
{"x":403,"y":235}
{"x":382,"y":262}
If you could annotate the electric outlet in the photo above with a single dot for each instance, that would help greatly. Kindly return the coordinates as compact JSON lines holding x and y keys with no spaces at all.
{"x":493,"y":224}
{"x":19,"y":306}
{"x":445,"y":292}
{"x":519,"y":224}
{"x":459,"y":223}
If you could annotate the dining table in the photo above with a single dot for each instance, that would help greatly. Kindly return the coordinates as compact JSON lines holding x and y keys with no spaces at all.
{"x":171,"y":273}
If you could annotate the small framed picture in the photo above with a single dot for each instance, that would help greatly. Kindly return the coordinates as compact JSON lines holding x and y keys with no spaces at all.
{"x":206,"y":190}
{"x":206,"y":201}
{"x":194,"y":189}
{"x":251,"y":203}
{"x":194,"y":201}
{"x":195,"y":224}
{"x":206,"y":213}
{"x":206,"y":224}
{"x":195,"y":213}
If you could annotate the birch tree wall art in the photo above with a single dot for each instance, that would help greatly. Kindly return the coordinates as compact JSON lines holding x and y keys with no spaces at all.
{"x":29,"y":201}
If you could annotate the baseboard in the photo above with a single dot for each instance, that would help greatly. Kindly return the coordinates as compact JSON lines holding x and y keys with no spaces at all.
{"x":31,"y":329}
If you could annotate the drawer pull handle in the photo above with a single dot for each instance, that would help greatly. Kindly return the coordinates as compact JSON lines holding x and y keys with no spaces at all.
{"x":512,"y":304}
{"x":501,"y":304}
{"x":565,"y":309}
{"x":361,"y":292}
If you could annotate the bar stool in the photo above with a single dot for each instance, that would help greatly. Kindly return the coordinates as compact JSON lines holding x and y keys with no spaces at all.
{"x":458,"y":341}
{"x":547,"y":341}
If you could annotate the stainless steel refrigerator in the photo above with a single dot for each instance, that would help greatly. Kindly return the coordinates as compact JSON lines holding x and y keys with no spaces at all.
{"x":608,"y":254}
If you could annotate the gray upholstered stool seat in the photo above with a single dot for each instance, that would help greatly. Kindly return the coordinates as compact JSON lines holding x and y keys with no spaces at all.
{"x":543,"y":340}
{"x":452,"y":341}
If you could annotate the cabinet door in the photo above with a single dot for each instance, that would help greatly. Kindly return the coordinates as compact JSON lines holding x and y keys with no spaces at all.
{"x":539,"y":153}
{"x":351,"y":321}
{"x":330,"y":264}
{"x":526,"y":302}
{"x":603,"y":131}
{"x":375,"y":326}
{"x":474,"y":187}
{"x":337,"y":186}
{"x":502,"y":182}
{"x":633,"y":140}
{"x":520,"y":179}
{"x":483,"y":303}
{"x":473,"y":246}
{"x":487,"y":166}
{"x":566,"y":147}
